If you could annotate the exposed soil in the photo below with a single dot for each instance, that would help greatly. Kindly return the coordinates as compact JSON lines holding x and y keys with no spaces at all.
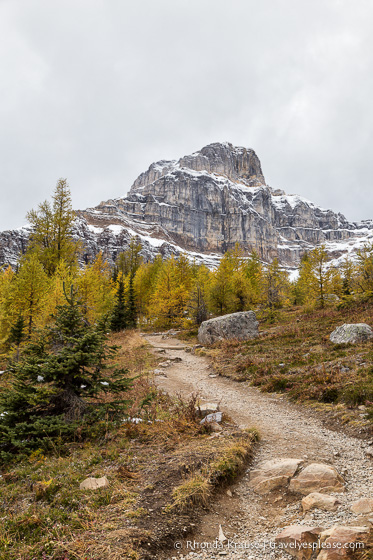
{"x":166,"y":469}
{"x":287,"y":430}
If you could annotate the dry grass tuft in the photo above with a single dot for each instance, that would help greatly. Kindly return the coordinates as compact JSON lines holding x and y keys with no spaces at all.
{"x":223,"y":466}
{"x":231,"y":462}
{"x":195,"y":491}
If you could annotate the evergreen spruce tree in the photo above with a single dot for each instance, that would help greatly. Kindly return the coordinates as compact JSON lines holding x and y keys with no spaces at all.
{"x":17,"y":334}
{"x":59,"y":384}
{"x":131,"y":305}
{"x":197,"y":304}
{"x":115,"y":273}
{"x":119,"y":317}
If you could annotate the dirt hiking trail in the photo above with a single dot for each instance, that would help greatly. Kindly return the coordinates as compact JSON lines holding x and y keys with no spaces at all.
{"x":247,"y":518}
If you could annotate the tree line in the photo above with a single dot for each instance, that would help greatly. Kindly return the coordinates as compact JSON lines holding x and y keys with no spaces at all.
{"x":165,"y":293}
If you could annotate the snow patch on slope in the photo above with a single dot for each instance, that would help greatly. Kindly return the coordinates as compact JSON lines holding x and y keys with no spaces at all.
{"x":293,"y":200}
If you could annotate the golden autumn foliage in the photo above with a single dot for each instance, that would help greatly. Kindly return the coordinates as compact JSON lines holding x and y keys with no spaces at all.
{"x":96,"y":289}
{"x":172,"y":292}
{"x":52,"y":225}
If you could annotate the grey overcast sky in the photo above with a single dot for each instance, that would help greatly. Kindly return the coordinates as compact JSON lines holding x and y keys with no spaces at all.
{"x":95,"y":91}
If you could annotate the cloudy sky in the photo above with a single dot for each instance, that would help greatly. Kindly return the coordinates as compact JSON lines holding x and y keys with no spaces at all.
{"x":96,"y":90}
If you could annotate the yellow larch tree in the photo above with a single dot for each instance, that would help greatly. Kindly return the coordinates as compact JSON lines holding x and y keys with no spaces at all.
{"x":275,"y":286}
{"x":145,"y":284}
{"x":52,"y":228}
{"x":30,"y":292}
{"x":96,"y":291}
{"x":168,"y":303}
{"x":7,"y":278}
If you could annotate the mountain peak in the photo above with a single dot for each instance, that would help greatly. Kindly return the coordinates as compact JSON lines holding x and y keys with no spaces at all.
{"x":238,"y":164}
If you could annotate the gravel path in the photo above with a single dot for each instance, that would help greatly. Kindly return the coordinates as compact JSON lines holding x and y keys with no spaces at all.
{"x":249,"y":520}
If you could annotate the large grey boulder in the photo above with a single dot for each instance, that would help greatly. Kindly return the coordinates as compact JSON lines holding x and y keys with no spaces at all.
{"x":351,"y":333}
{"x":241,"y":326}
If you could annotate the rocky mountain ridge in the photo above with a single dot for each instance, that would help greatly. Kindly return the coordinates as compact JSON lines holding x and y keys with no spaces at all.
{"x":203,"y":204}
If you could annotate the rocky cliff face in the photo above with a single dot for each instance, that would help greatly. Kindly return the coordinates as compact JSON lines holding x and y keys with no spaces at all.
{"x":204,"y":204}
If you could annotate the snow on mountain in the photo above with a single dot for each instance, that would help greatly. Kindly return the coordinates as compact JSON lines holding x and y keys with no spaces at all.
{"x":202,"y":205}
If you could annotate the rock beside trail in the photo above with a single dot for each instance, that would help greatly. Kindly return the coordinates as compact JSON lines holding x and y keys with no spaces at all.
{"x":299,"y":540}
{"x":363,"y":506}
{"x":207,"y":408}
{"x":369,"y":453}
{"x":319,"y":501}
{"x":215,"y":427}
{"x":273,"y":474}
{"x":339,"y":541}
{"x":215,"y":418}
{"x":221,"y":537}
{"x":241,"y":326}
{"x":351,"y":333}
{"x":317,"y":477}
{"x":165,"y":364}
{"x":94,"y":483}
